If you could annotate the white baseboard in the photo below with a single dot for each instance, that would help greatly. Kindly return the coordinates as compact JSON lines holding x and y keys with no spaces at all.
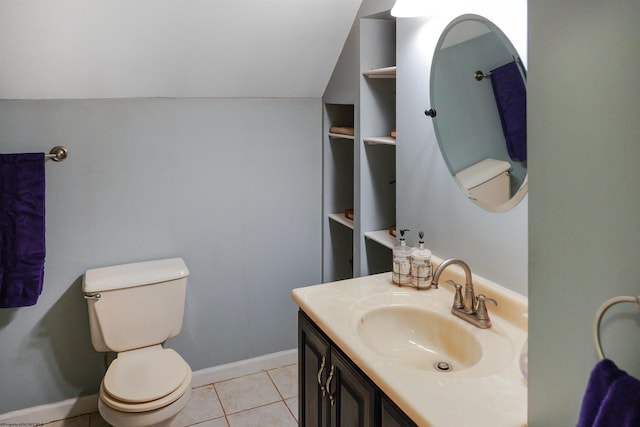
{"x":42,"y":414}
{"x":244,"y":367}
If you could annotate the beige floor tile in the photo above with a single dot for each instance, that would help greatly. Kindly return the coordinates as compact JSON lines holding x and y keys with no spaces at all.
{"x":252,"y":400}
{"x":286,"y":380}
{"x":218,"y":422}
{"x":203,"y":406}
{"x":247,"y":392}
{"x":292,"y":404}
{"x":274,"y":415}
{"x":81,"y":421}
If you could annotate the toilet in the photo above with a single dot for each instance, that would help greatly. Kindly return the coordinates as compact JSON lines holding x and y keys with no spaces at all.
{"x":133,"y":309}
{"x":487,"y":181}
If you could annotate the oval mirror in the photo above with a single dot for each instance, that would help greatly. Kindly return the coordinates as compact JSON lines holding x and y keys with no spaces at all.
{"x":478,"y":105}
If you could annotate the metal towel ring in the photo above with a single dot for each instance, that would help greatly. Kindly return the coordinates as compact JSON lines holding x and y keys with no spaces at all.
{"x":604,"y":307}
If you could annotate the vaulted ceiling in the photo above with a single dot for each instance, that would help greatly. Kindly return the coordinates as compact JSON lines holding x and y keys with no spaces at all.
{"x":52,"y":49}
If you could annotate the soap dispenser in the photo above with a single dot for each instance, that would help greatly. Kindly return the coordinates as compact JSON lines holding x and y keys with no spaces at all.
{"x":401,"y":274}
{"x":421,"y":268}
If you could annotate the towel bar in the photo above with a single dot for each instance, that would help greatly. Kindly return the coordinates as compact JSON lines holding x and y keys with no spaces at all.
{"x":479,"y":74}
{"x":604,"y":307}
{"x":57,"y":154}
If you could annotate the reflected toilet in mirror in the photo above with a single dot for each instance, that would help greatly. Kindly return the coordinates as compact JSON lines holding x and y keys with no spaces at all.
{"x":478,"y":107}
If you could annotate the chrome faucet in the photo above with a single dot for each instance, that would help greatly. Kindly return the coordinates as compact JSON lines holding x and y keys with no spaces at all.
{"x":470,"y":308}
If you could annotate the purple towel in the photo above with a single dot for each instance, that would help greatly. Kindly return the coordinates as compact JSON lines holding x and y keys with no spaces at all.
{"x":511,"y":100}
{"x":612,"y":398}
{"x":22,"y":243}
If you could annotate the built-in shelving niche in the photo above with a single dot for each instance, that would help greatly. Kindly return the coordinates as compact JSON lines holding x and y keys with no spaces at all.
{"x":338,"y":193}
{"x":378,"y":149}
{"x":359,"y":169}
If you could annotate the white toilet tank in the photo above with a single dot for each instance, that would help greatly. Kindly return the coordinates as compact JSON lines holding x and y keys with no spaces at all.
{"x":135,"y":305}
{"x":487,"y":181}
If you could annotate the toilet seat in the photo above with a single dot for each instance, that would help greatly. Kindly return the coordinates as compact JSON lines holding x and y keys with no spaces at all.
{"x":156,"y":418}
{"x":144,"y":380}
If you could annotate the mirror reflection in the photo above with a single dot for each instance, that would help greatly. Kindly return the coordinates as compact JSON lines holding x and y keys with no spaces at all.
{"x":478,"y":93}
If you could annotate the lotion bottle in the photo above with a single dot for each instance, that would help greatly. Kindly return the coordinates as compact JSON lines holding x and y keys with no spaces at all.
{"x":421,"y":268}
{"x":401,"y":274}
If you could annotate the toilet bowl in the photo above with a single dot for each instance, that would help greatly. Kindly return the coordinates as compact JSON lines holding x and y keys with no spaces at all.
{"x":133,"y":309}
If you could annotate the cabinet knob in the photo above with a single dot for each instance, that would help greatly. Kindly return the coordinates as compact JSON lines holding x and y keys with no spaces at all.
{"x":430,"y":112}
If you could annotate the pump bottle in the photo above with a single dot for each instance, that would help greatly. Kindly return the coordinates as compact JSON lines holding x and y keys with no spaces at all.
{"x":401,"y":274}
{"x":421,"y":268}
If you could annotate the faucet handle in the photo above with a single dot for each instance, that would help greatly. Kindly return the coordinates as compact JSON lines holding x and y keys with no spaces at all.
{"x":481,"y":310}
{"x":457,"y":300}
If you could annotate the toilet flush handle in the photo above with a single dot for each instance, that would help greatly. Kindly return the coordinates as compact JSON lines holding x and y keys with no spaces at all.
{"x":94,"y":297}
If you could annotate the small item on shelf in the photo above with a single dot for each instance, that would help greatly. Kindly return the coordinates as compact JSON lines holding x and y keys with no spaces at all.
{"x":401,"y":274}
{"x":342,"y":130}
{"x":393,"y":133}
{"x":392,"y":230}
{"x":349,"y":214}
{"x":381,"y":73}
{"x":421,"y":268}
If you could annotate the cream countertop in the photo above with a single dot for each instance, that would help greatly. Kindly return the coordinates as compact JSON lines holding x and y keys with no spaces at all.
{"x":493,"y":398}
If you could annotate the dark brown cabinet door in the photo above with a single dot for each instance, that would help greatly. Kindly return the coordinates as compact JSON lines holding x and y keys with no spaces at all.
{"x":333,"y":392}
{"x":352,"y":397}
{"x":392,"y":416}
{"x":313,"y":364}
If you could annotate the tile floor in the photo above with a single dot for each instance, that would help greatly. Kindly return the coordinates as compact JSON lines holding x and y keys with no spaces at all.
{"x":267,"y":398}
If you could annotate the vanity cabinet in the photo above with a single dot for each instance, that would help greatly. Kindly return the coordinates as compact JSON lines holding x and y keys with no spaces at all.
{"x":332,"y":389}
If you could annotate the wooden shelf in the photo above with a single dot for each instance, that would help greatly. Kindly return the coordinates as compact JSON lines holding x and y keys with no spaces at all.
{"x":381,"y":73}
{"x":380,"y":140}
{"x":341,"y":219}
{"x":341,"y":136}
{"x":382,"y":237}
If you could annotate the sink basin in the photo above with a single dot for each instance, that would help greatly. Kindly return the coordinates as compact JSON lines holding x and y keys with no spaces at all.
{"x":419,"y":338}
{"x":419,"y":332}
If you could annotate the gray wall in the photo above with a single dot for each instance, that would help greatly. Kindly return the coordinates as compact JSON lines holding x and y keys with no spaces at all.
{"x":231,"y":185}
{"x":427,"y":198}
{"x":493,"y":244}
{"x":584,"y":138}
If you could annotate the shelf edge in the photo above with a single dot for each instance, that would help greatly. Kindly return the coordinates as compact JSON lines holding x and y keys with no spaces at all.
{"x":380,"y":140}
{"x":341,"y":219}
{"x":381,"y":73}
{"x":382,"y":237}
{"x":341,"y":136}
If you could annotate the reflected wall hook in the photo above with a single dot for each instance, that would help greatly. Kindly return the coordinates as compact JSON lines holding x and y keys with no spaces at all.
{"x":430,"y":112}
{"x":479,"y":75}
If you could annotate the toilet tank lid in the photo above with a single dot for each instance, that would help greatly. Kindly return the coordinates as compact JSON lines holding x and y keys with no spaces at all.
{"x":482,"y":172}
{"x":134,"y":274}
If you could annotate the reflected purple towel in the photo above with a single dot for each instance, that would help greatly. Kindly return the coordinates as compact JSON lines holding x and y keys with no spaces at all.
{"x":612,"y":398}
{"x":22,"y":241}
{"x":511,"y":99}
